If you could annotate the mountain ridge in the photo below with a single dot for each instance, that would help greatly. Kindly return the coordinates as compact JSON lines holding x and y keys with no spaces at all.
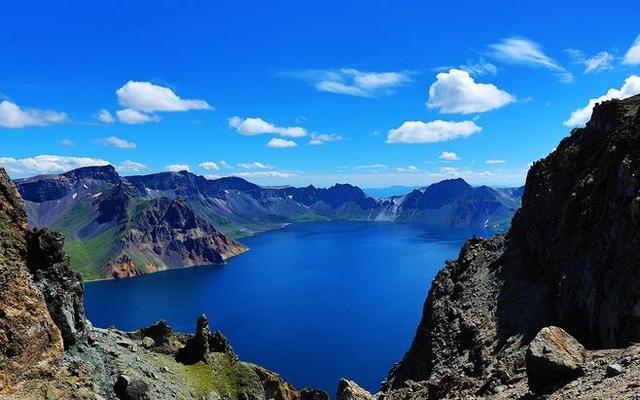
{"x":99,"y":212}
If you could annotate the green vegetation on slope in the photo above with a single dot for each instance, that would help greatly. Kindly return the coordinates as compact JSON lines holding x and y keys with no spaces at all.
{"x":88,"y":256}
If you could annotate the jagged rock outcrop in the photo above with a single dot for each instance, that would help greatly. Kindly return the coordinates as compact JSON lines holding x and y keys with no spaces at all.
{"x":349,"y":390}
{"x":204,"y":343}
{"x":569,"y":260}
{"x":553,"y":357}
{"x":61,"y":286}
{"x":30,"y":342}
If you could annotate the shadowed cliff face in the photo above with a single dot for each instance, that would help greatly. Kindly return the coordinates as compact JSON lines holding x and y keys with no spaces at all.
{"x":30,"y":343}
{"x":570,"y":260}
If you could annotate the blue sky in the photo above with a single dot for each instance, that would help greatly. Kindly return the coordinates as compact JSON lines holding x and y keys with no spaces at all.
{"x":374,"y":93}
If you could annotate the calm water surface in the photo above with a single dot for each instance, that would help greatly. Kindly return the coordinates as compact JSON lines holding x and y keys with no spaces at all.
{"x":314,"y":301}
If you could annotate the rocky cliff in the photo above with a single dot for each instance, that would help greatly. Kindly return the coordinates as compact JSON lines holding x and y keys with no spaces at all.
{"x":49,"y":351}
{"x":569,"y":261}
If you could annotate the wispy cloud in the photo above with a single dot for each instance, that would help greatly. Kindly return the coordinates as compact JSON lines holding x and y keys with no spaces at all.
{"x":431,"y":132}
{"x":519,"y":50}
{"x":479,"y":67}
{"x":133,"y":117}
{"x":599,"y":62}
{"x":322,"y":138}
{"x":265,"y":174}
{"x":254,"y":165}
{"x":13,"y":116}
{"x":67,"y":142}
{"x":353,"y":82}
{"x":495,"y":162}
{"x":117,"y":142}
{"x":372,"y":166}
{"x":455,"y":91}
{"x":131,"y":166}
{"x":105,"y":116}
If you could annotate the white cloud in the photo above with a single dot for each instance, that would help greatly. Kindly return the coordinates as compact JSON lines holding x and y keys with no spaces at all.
{"x":117,"y":142}
{"x":518,"y":50}
{"x":209,"y":166}
{"x":449,"y":156}
{"x":147,"y":97}
{"x":67,"y":142}
{"x":258,"y":126}
{"x":632,"y":56}
{"x":281,"y":143}
{"x":456,"y":92}
{"x":48,"y":164}
{"x":224,"y":164}
{"x":177,"y":167}
{"x":254,"y":165}
{"x":131,"y":166}
{"x":431,"y":132}
{"x":129,"y":116}
{"x":265,"y":174}
{"x":354,"y":82}
{"x":105,"y":116}
{"x":495,"y":162}
{"x":322,"y":138}
{"x":581,"y":116}
{"x":602,"y":61}
{"x":12,"y":116}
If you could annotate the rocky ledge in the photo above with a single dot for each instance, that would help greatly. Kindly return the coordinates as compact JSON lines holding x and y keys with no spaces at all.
{"x":511,"y":317}
{"x":48,"y":350}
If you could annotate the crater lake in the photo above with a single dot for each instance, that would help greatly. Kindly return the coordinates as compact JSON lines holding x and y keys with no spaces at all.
{"x":314,"y":301}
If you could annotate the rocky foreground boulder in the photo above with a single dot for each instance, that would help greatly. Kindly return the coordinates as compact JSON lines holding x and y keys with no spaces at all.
{"x":49,"y":351}
{"x":570,"y":260}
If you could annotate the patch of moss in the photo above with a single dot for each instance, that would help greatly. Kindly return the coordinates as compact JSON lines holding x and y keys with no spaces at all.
{"x":198,"y":377}
{"x":231,"y":377}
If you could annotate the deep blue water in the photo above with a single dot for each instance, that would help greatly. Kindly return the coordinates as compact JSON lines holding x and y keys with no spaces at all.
{"x":313,"y":301}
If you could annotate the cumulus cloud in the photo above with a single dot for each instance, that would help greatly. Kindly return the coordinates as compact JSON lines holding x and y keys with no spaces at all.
{"x":281,"y":143}
{"x":47,"y":164}
{"x":150,"y":98}
{"x":131,"y":166}
{"x":632,"y":56}
{"x":431,"y":132}
{"x":495,"y":162}
{"x":132,"y":117}
{"x":117,"y":142}
{"x":13,"y":116}
{"x":258,"y":126}
{"x":449,"y":156}
{"x":105,"y":116}
{"x":254,"y":165}
{"x":518,"y":50}
{"x":581,"y":116}
{"x":224,"y":164}
{"x":209,"y":166}
{"x":322,"y":138}
{"x":177,"y":167}
{"x":353,"y":82}
{"x":601,"y":61}
{"x":456,"y":92}
{"x":264,"y":174}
